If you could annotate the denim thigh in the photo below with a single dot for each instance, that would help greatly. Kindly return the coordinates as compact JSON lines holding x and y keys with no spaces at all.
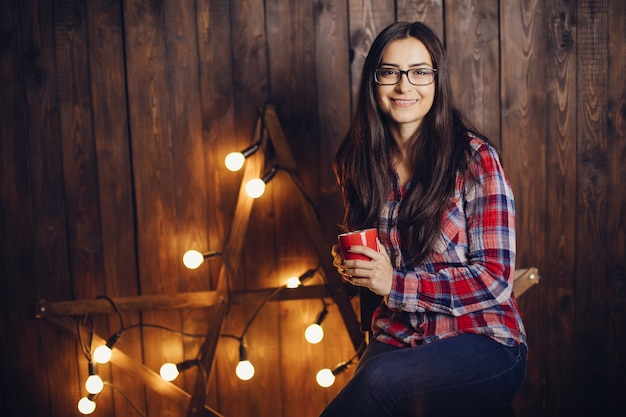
{"x":461,"y":375}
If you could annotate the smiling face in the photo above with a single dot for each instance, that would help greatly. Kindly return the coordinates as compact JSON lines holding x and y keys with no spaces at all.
{"x":405,"y":104}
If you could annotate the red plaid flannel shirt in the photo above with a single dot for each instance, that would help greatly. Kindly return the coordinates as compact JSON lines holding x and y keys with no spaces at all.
{"x":466,"y":283}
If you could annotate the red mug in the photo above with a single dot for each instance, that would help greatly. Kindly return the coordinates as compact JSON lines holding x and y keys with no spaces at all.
{"x":367,"y":237}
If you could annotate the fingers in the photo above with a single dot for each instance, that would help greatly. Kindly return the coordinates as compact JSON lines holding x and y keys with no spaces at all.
{"x":375,"y":273}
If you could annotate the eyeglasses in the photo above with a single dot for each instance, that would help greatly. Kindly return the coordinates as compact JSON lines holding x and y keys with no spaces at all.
{"x":416,"y":76}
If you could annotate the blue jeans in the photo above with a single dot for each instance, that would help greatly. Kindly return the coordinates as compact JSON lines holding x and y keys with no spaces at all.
{"x":461,"y":375}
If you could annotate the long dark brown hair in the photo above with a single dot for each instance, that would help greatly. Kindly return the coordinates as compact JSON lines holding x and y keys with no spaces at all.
{"x":439,"y":150}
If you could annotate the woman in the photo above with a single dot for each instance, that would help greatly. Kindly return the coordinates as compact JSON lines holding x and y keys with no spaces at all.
{"x":448,"y":338}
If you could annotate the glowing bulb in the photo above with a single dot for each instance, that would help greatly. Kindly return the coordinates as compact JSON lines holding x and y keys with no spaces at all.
{"x":314,"y":333}
{"x":244,"y":370}
{"x":192,"y":259}
{"x":293,"y":282}
{"x":325,"y":378}
{"x":234,"y":161}
{"x":169,"y":371}
{"x":255,"y":188}
{"x":102,"y":354}
{"x":94,"y":384}
{"x":86,"y":406}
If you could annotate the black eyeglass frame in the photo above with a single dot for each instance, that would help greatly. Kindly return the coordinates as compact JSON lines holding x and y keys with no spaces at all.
{"x":405,"y":72}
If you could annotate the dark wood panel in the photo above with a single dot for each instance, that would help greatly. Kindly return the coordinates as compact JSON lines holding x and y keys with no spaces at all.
{"x":472,"y":45}
{"x":332,"y":62}
{"x":558,"y":287}
{"x":251,"y":79}
{"x":218,"y":125}
{"x":334,"y":106}
{"x":24,"y":374}
{"x":426,"y":11}
{"x":591,"y":213}
{"x":249,"y":62}
{"x":117,"y":117}
{"x":79,"y":168}
{"x":218,"y":121}
{"x":523,"y":112}
{"x":110,"y":133}
{"x":301,"y":360}
{"x":150,"y":115}
{"x":78,"y":149}
{"x":615,"y":367}
{"x":367,"y":19}
{"x":292,"y":72}
{"x":292,"y":80}
{"x":188,"y":163}
{"x":332,"y":68}
{"x":47,"y":212}
{"x":250,"y":91}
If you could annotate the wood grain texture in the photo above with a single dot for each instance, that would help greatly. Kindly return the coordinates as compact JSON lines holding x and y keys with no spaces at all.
{"x":79,"y":164}
{"x":113,"y":161}
{"x":150,"y":112}
{"x":559,"y":289}
{"x":253,"y":65}
{"x":78,"y":149}
{"x":592,"y":204}
{"x":20,"y":355}
{"x":251,"y":85}
{"x":472,"y":45}
{"x":523,"y":149}
{"x":332,"y":63}
{"x":430,"y":12}
{"x":188,"y":158}
{"x":367,"y":19}
{"x":218,"y":120}
{"x":292,"y":78}
{"x":615,"y":368}
{"x":228,"y":274}
{"x":115,"y":121}
{"x":47,"y":210}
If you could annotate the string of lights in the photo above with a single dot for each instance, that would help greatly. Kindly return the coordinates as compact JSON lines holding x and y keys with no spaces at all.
{"x":168,"y":371}
{"x":326,"y":377}
{"x":87,"y":404}
{"x":245,"y":370}
{"x":193,"y":259}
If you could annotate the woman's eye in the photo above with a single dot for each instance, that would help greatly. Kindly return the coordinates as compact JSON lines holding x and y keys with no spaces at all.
{"x":420,"y":72}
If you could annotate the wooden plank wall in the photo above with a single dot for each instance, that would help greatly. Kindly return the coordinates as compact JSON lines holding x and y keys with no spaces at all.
{"x":117,"y":114}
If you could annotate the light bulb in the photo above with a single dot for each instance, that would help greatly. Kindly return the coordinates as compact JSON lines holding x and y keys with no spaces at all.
{"x":255,"y":188}
{"x":192,"y":259}
{"x":94,"y":384}
{"x":293,"y":282}
{"x":314,"y":333}
{"x":102,"y":354}
{"x":325,"y":378}
{"x":244,"y":370}
{"x":234,"y":161}
{"x":86,"y":406}
{"x":169,"y":371}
